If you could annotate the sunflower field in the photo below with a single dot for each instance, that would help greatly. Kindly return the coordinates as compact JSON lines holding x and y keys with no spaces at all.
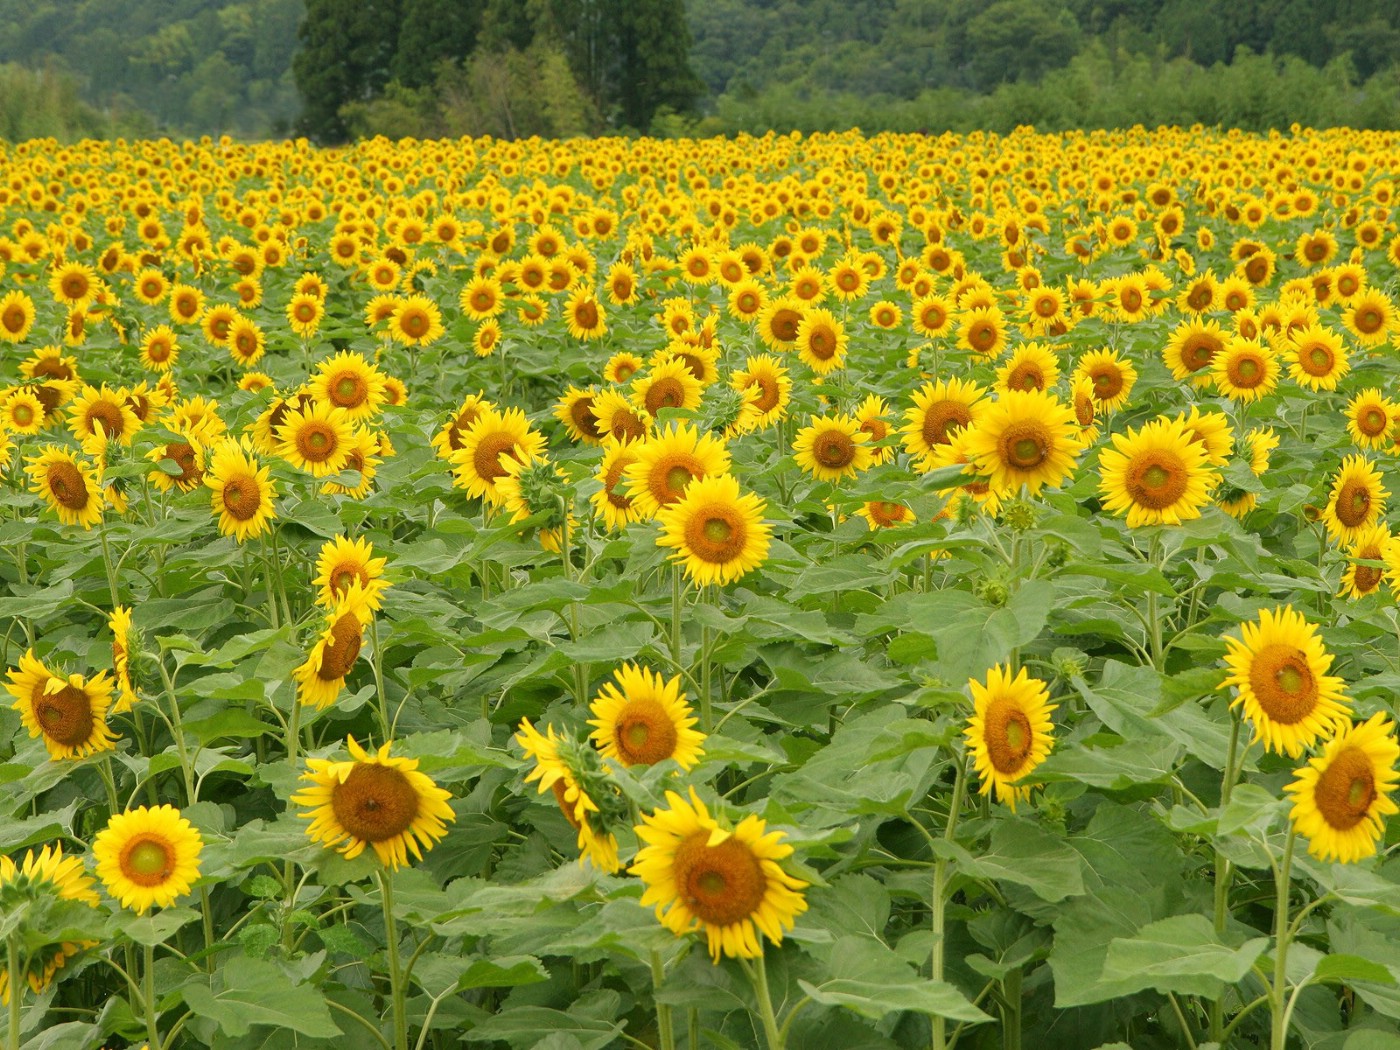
{"x":828,"y":593}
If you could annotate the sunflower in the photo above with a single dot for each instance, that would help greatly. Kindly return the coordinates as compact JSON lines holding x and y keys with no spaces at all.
{"x":1157,"y":473}
{"x":482,"y":298}
{"x":939,"y":410}
{"x":304,"y":313}
{"x":618,"y":419}
{"x":665,"y":465}
{"x":575,"y":410}
{"x":560,"y":768}
{"x":1192,"y":349}
{"x":1246,"y":371}
{"x":448,"y":439}
{"x":611,"y":503}
{"x":727,"y":882}
{"x":718,"y":535}
{"x":669,"y":384}
{"x":1371,"y":544}
{"x":1316,"y":357}
{"x":321,"y":678}
{"x":217,"y":323}
{"x":881,"y":514}
{"x":821,"y":341}
{"x":746,"y":300}
{"x":982,"y":330}
{"x":21,"y":412}
{"x":584,"y":315}
{"x":1210,"y":430}
{"x":147,"y":857}
{"x":187,"y":454}
{"x":71,"y":714}
{"x":1370,"y":417}
{"x":246,"y":342}
{"x":1009,"y":732}
{"x":1357,"y":499}
{"x":241,"y":491}
{"x":50,"y":874}
{"x":343,"y":563}
{"x":68,"y":486}
{"x":186,"y":304}
{"x":160,"y":349}
{"x":1112,"y":375}
{"x":416,"y":321}
{"x":779,"y":321}
{"x":373,"y":800}
{"x":362,"y":461}
{"x":931,"y":315}
{"x":493,"y":435}
{"x":119,"y":623}
{"x":73,"y":283}
{"x":621,"y":367}
{"x":644,"y":719}
{"x":1371,"y":317}
{"x":98,"y":416}
{"x":1030,"y":367}
{"x":486,"y":338}
{"x":533,"y":487}
{"x":1025,"y":437}
{"x":1279,"y":670}
{"x":317,"y":439}
{"x":1342,"y":796}
{"x":16,"y":316}
{"x":832,"y":448}
{"x":349,"y":382}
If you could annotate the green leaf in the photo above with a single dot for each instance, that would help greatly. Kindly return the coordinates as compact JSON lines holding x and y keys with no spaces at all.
{"x":1181,"y":954}
{"x":525,"y":1026}
{"x":876,"y":999}
{"x":1115,"y":767}
{"x":246,"y":992}
{"x":1347,"y":968}
{"x":156,"y":928}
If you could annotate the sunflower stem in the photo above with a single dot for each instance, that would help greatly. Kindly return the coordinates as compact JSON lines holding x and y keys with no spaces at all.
{"x":665,"y":1025}
{"x":178,"y":731}
{"x":391,"y":934}
{"x":107,"y":560}
{"x":940,"y":896}
{"x":1277,"y":1000}
{"x":759,"y":976}
{"x":676,"y":616}
{"x":1223,"y":873}
{"x":693,"y":1028}
{"x":1154,"y":622}
{"x":12,"y":974}
{"x":377,"y":665}
{"x":148,"y":976}
{"x":104,"y":770}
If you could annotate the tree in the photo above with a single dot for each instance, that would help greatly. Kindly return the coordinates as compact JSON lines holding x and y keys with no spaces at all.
{"x":652,"y":60}
{"x":347,"y":49}
{"x":432,"y":30}
{"x":1019,"y":40}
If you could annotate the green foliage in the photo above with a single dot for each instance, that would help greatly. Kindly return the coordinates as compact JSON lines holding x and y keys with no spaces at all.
{"x":45,"y":104}
{"x":347,"y":48}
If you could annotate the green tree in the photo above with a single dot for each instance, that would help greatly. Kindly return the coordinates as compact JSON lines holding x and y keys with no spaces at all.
{"x":347,"y":49}
{"x":430,"y":31}
{"x":651,"y":49}
{"x":1019,"y":40}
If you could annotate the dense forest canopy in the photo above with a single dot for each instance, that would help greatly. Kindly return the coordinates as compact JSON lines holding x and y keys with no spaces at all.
{"x":334,"y":68}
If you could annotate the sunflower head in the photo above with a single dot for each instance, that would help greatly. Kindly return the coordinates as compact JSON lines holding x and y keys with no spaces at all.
{"x":1010,"y":732}
{"x":642,"y":719}
{"x":148,"y":857}
{"x":582,"y":788}
{"x":1343,"y":795}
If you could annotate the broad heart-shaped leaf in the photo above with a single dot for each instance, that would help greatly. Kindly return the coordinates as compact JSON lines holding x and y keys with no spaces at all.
{"x":525,"y":1026}
{"x":1114,"y":765}
{"x":1030,"y":856}
{"x":73,"y":1035}
{"x":1180,"y":954}
{"x":1348,"y":968}
{"x":439,"y":973}
{"x":246,"y":992}
{"x":869,"y":979}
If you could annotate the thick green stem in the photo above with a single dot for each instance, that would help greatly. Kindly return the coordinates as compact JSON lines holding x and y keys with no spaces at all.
{"x":759,"y":975}
{"x":149,"y":977}
{"x":676,"y":616}
{"x":12,"y":975}
{"x":107,"y":562}
{"x":1223,"y":874}
{"x":1154,"y":621}
{"x":1277,"y":1000}
{"x":391,"y":934}
{"x":939,"y":900}
{"x":377,"y":665}
{"x":665,"y":1024}
{"x":178,"y":731}
{"x":1011,"y":1019}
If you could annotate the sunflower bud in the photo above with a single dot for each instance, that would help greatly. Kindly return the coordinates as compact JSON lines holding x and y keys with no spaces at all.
{"x":1019,"y":514}
{"x":994,"y":592}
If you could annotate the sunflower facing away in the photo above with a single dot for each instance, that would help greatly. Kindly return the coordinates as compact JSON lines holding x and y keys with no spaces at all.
{"x":729,"y":883}
{"x":241,"y":491}
{"x":1025,"y":437}
{"x":1342,"y":796}
{"x":644,"y":719}
{"x":119,"y":623}
{"x":492,"y":436}
{"x":321,"y":678}
{"x":717,"y":534}
{"x":67,"y":485}
{"x":1279,"y":670}
{"x":1157,"y":474}
{"x":49,"y":873}
{"x":373,"y":800}
{"x":147,"y":857}
{"x":557,"y":761}
{"x":1009,"y":732}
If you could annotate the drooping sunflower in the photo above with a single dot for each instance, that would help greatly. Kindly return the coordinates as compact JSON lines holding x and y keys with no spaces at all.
{"x":716,"y":533}
{"x":321,"y":678}
{"x":241,"y":491}
{"x":535,"y":488}
{"x":98,"y":416}
{"x":1246,"y":371}
{"x":70,"y":714}
{"x":1010,"y":732}
{"x":833,"y":447}
{"x":611,"y":502}
{"x":1279,"y":670}
{"x":49,"y":362}
{"x":119,"y":623}
{"x":729,"y":883}
{"x":148,"y":857}
{"x":376,"y":800}
{"x":669,"y":384}
{"x":1255,"y":449}
{"x":317,"y":439}
{"x":1357,"y":499}
{"x":644,"y":719}
{"x":665,"y":465}
{"x":343,"y":563}
{"x":1370,"y":417}
{"x":1156,"y":474}
{"x":16,"y":316}
{"x":1373,"y":544}
{"x":1113,"y":377}
{"x":1025,"y":438}
{"x":493,"y":435}
{"x":1030,"y":367}
{"x":68,"y":485}
{"x":349,"y":382}
{"x":1343,"y":795}
{"x":939,"y":410}
{"x":559,"y":767}
{"x":47,"y":873}
{"x":1316,"y":357}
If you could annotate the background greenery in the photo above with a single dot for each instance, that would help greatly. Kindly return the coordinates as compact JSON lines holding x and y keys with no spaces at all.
{"x":333,"y":69}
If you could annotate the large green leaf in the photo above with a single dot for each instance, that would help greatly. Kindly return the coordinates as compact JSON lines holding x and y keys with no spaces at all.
{"x":1181,"y":954}
{"x":244,"y":992}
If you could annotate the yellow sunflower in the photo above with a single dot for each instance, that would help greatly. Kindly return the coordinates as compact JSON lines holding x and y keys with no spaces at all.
{"x":47,"y":873}
{"x":584,"y":315}
{"x":21,"y":412}
{"x":931,"y":316}
{"x":882,"y":514}
{"x":1246,"y":371}
{"x":16,"y":316}
{"x":533,"y":487}
{"x":362,"y":461}
{"x":729,"y":883}
{"x":321,"y":678}
{"x":983,"y":331}
{"x":716,"y":533}
{"x":241,"y":491}
{"x":779,"y":321}
{"x":1370,"y":416}
{"x":1357,"y":499}
{"x":343,"y":563}
{"x":373,"y":800}
{"x":349,"y":382}
{"x":557,"y":768}
{"x":1112,"y":375}
{"x":98,"y":416}
{"x":1030,"y":367}
{"x":1192,"y":349}
{"x":1210,"y":430}
{"x":67,"y":485}
{"x":1371,"y":317}
{"x":317,"y":439}
{"x":1157,"y":474}
{"x":1025,"y":438}
{"x":1255,"y":450}
{"x":611,"y":502}
{"x":304,"y":313}
{"x":448,"y":439}
{"x":832,"y":448}
{"x":575,"y":410}
{"x":1010,"y":732}
{"x":669,"y":384}
{"x":481,"y":298}
{"x":147,"y":857}
{"x":821,"y":341}
{"x":1372,"y":544}
{"x":1342,"y":796}
{"x":666,"y":463}
{"x":187,"y":454}
{"x":70,"y":714}
{"x":1316,"y":357}
{"x":494,"y":434}
{"x":643,"y":719}
{"x":119,"y":623}
{"x":1278,"y":668}
{"x":940,"y":409}
{"x":416,"y":321}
